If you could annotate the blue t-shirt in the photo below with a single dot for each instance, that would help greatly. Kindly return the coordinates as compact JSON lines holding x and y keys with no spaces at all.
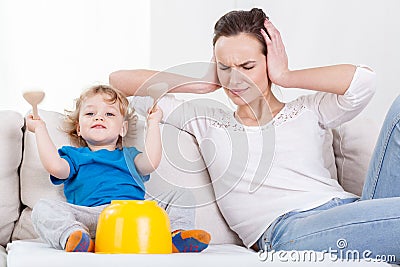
{"x":97,"y":177}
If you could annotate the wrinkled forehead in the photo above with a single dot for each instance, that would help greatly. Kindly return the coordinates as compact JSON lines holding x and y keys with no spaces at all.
{"x":239,"y":47}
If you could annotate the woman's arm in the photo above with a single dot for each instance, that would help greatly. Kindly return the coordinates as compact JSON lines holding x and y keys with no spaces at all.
{"x":332,"y":79}
{"x":51,"y":160}
{"x":136,"y":82}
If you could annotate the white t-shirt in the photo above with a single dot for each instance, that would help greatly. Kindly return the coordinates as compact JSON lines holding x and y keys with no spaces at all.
{"x":260,"y":173}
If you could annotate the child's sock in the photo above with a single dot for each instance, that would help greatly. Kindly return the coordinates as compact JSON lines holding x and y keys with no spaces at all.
{"x":79,"y":241}
{"x":190,"y":240}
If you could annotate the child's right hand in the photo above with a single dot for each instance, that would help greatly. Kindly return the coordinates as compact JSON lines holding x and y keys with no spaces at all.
{"x":155,"y":114}
{"x":32,"y":124}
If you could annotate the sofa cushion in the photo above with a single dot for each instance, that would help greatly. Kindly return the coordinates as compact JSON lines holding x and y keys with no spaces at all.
{"x":33,"y":254}
{"x":353,"y":144}
{"x":10,"y":159}
{"x":34,"y":179}
{"x":23,"y":228}
{"x":35,"y":182}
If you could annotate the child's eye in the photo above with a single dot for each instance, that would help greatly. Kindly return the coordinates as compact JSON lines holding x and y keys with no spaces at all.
{"x":109,"y":114}
{"x":89,"y":113}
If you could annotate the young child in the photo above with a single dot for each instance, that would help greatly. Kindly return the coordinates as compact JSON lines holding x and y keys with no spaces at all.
{"x":99,"y":169}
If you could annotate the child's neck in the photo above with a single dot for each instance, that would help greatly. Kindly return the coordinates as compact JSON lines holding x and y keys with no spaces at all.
{"x":100,"y":147}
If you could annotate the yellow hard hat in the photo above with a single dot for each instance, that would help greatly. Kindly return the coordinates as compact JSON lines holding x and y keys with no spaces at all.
{"x":133,"y":226}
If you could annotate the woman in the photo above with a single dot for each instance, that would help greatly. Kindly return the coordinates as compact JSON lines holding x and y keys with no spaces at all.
{"x":279,"y":195}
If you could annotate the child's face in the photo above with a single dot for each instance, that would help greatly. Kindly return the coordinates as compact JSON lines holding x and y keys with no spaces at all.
{"x":100,"y":123}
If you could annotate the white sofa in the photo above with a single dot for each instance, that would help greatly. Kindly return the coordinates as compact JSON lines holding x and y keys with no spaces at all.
{"x":23,"y":181}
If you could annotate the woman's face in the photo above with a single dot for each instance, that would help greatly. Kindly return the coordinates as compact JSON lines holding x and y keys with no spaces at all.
{"x":241,"y":68}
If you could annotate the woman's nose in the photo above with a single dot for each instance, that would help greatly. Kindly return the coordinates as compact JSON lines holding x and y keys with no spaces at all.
{"x":235,"y":77}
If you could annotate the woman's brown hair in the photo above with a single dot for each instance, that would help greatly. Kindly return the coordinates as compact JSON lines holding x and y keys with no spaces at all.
{"x":240,"y":21}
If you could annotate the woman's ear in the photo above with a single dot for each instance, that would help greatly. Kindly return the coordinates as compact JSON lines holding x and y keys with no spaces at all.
{"x":124,"y":129}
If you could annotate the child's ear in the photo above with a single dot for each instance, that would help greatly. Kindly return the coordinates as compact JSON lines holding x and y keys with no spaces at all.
{"x":124,"y":129}
{"x":78,"y":130}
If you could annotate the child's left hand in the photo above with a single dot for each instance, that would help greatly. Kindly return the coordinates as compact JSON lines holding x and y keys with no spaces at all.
{"x":155,"y":114}
{"x":33,"y":124}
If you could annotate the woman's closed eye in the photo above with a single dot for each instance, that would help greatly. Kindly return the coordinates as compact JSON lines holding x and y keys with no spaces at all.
{"x":223,"y":67}
{"x":244,"y":66}
{"x":247,"y":67}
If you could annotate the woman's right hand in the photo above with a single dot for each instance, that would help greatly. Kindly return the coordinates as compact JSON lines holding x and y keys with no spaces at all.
{"x":211,"y":78}
{"x":33,"y":124}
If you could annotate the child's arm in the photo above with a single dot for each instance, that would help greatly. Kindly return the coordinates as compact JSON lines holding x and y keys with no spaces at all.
{"x":51,"y":160}
{"x":149,"y":160}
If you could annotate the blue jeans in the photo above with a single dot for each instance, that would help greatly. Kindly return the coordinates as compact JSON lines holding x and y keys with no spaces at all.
{"x":368,"y":227}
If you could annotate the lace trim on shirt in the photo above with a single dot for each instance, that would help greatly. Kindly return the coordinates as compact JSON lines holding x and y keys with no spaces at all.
{"x":291,"y":110}
{"x":225,"y":120}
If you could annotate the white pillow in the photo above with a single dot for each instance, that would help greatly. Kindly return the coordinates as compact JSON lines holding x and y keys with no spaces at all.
{"x":10,"y":159}
{"x":329,"y":156}
{"x":353,"y":144}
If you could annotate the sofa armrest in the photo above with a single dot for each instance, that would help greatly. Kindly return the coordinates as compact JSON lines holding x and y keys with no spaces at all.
{"x":10,"y":159}
{"x":3,"y":257}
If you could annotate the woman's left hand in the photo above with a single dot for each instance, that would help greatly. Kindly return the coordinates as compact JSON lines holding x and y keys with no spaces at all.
{"x":277,"y":60}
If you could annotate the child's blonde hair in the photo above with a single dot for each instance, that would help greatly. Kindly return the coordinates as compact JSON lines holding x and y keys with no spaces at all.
{"x":111,"y":95}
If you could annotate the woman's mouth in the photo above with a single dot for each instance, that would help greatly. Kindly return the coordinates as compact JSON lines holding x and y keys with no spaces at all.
{"x":237,"y":91}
